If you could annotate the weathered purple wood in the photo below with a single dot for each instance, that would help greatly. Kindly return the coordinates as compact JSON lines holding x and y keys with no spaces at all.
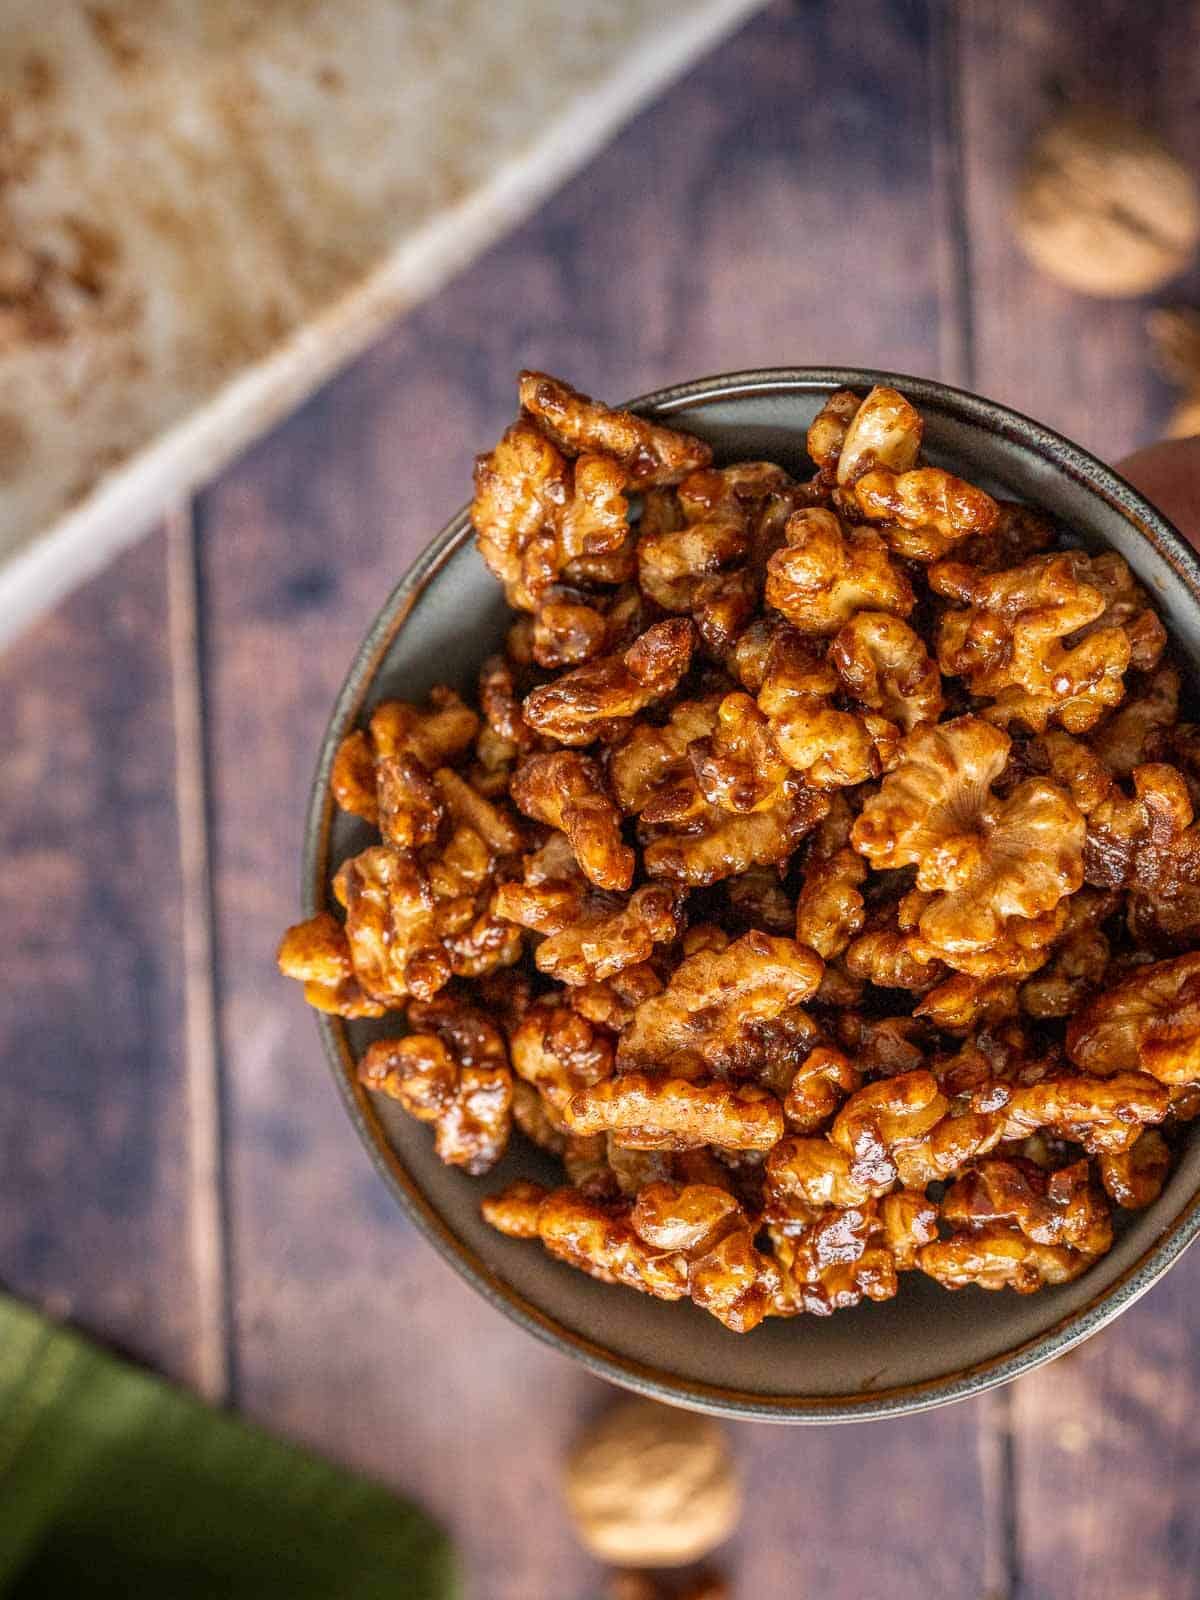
{"x":1105,"y":1445}
{"x":94,"y":1192}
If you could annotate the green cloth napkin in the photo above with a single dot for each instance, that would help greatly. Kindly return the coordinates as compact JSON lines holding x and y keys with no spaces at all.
{"x":114,"y":1484}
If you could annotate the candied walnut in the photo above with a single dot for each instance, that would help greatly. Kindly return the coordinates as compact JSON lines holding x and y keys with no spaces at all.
{"x":515,"y":1210}
{"x":595,"y":701}
{"x":1047,"y":641}
{"x":653,"y":761}
{"x":595,"y":1235}
{"x":519,"y":489}
{"x":1149,"y":1022}
{"x":469,"y":1102}
{"x":501,"y":705}
{"x":399,"y":732}
{"x":884,"y":1046}
{"x":961,"y":1003}
{"x":1062,"y":1208}
{"x":585,"y":1162}
{"x":1149,"y":842}
{"x":707,"y":1015}
{"x":883,"y":432}
{"x":1130,"y":736}
{"x":805,"y":1177}
{"x":887,"y":957}
{"x":1101,"y":1114}
{"x":830,"y":747}
{"x":1079,"y":960}
{"x":607,"y":937}
{"x":989,"y":865}
{"x":738,"y":767}
{"x":653,"y":1112}
{"x":757,"y":899}
{"x":886,"y":667}
{"x":996,"y":1256}
{"x":710,"y":1231}
{"x":692,"y":552}
{"x":1134,"y":1178}
{"x":833,"y":1263}
{"x":410,"y":803}
{"x":825,"y":574}
{"x":538,"y":1121}
{"x":827,"y":433}
{"x":567,"y":791}
{"x":552,"y":892}
{"x":317,"y":954}
{"x":961,"y":1136}
{"x":924,"y":512}
{"x":650,"y":453}
{"x":352,"y":776}
{"x":566,"y":630}
{"x":819,"y":1087}
{"x":613,"y":1002}
{"x":880,"y":1121}
{"x":909,"y":1221}
{"x":559,"y":1052}
{"x":689,"y":841}
{"x":394,"y":947}
{"x":1019,"y":532}
{"x":829,"y":910}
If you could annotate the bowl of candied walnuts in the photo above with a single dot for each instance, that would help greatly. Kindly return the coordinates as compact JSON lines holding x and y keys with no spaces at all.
{"x":752,"y":892}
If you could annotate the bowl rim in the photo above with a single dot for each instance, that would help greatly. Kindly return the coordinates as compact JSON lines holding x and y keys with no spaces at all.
{"x":1071,"y":1330}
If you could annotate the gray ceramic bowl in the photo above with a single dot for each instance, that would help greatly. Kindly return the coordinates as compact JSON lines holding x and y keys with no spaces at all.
{"x":927,"y":1346}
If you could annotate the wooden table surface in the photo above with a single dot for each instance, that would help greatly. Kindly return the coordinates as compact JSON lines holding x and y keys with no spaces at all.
{"x":178,"y":1175}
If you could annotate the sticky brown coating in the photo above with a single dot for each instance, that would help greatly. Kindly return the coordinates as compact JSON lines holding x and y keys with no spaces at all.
{"x":820,"y":885}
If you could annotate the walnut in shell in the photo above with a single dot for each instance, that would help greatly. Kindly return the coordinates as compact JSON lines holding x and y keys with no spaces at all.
{"x":649,"y":1486}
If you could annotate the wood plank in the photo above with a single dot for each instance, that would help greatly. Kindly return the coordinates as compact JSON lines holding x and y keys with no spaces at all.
{"x":95,"y":1201}
{"x":1104,"y":1447}
{"x":1080,"y":364}
{"x":764,"y":212}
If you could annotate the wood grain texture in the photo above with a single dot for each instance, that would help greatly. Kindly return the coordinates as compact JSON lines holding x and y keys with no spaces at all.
{"x":1080,"y":364}
{"x":764,"y":212}
{"x":1104,"y":1448}
{"x":94,"y":1197}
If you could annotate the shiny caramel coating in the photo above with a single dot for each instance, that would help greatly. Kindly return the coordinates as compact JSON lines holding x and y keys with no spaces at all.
{"x":738,"y":767}
{"x":997,"y":1256}
{"x":1048,"y":641}
{"x":650,"y":453}
{"x":708,"y":1228}
{"x":1150,"y":1023}
{"x":566,"y":790}
{"x":833,"y":1263}
{"x":686,"y":840}
{"x":713,"y":1001}
{"x":886,"y":667}
{"x":1134,"y":1178}
{"x":606,"y":939}
{"x":923,"y":513}
{"x":1101,"y":1114}
{"x":826,"y":573}
{"x":989,"y":865}
{"x":468,"y":1103}
{"x":317,"y":954}
{"x":515,"y":1210}
{"x":1065,"y":1207}
{"x":595,"y":701}
{"x":759,"y":761}
{"x":650,"y":1112}
{"x":829,"y":908}
{"x":830,"y":747}
{"x":820,"y":1085}
{"x":559,"y":1052}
